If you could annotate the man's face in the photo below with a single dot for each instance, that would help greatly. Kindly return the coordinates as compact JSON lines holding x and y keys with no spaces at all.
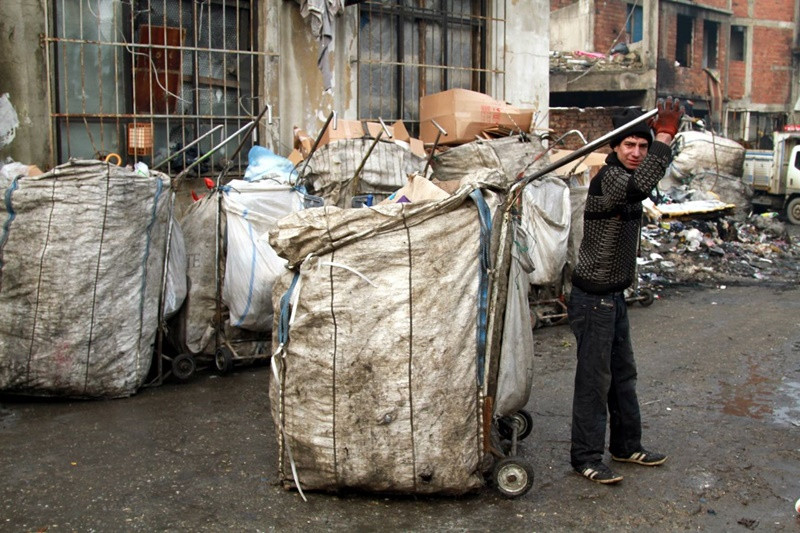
{"x":631,"y":151}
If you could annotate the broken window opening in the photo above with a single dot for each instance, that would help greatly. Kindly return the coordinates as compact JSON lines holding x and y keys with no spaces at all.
{"x":144,"y":78}
{"x":737,"y":43}
{"x":410,"y":48}
{"x":710,"y":40}
{"x":683,"y":41}
{"x":634,"y":23}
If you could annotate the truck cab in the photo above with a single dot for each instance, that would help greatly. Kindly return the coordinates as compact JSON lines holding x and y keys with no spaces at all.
{"x":775,"y":174}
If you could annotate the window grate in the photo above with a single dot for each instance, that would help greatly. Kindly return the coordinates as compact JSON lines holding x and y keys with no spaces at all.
{"x":410,"y":48}
{"x":173,"y":68}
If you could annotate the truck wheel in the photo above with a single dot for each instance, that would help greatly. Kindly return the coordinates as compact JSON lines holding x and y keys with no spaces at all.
{"x":793,"y":211}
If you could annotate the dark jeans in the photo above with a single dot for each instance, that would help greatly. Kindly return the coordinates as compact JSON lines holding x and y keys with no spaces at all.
{"x":605,"y":378}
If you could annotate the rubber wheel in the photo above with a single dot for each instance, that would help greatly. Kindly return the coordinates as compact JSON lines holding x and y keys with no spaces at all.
{"x":522,"y":418}
{"x":793,"y":211}
{"x":223,"y":360}
{"x":183,"y":366}
{"x":512,"y":477}
{"x":647,"y":297}
{"x":535,"y":322}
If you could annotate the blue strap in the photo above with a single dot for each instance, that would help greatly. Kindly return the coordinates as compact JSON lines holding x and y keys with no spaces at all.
{"x":485,"y":217}
{"x":283,"y":323}
{"x":11,"y":216}
{"x":254,"y":254}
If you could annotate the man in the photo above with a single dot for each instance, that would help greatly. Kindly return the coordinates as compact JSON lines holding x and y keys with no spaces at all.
{"x":605,"y":377}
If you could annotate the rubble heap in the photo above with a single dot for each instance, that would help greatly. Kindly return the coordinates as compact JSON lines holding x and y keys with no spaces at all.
{"x":579,"y":61}
{"x":715,"y":251}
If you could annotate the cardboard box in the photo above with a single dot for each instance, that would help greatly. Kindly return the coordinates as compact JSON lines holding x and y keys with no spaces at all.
{"x":404,"y":139}
{"x":464,"y":114}
{"x":345,"y":129}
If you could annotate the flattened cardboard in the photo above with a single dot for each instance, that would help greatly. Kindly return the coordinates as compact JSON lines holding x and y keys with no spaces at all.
{"x":465,"y":114}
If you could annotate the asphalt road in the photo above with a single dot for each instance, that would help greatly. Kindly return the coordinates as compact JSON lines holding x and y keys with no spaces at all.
{"x":719,"y":384}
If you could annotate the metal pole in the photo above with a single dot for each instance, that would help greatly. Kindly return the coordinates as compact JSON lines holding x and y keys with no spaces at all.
{"x":179,"y":152}
{"x":577,"y":154}
{"x":331,"y":117}
{"x":435,"y":144}
{"x":212,"y":151}
{"x":383,"y":130}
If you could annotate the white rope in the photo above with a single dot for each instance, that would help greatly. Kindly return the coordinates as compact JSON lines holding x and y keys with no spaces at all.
{"x":292,"y":464}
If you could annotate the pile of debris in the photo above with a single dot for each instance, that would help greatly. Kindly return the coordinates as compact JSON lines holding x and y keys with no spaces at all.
{"x":579,"y":61}
{"x":717,"y":251}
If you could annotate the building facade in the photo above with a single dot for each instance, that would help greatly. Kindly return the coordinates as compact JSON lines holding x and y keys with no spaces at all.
{"x":735,"y":61}
{"x":144,"y":78}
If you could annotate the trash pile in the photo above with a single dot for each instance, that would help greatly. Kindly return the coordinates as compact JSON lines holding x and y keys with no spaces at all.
{"x":721,"y":250}
{"x":579,"y":61}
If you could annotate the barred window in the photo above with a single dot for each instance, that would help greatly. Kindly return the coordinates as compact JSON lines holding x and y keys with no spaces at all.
{"x":145,"y":78}
{"x":410,"y":48}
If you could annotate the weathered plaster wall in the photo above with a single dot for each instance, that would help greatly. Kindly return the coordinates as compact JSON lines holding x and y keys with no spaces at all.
{"x":23,"y":77}
{"x":571,"y":27}
{"x":527,"y":55}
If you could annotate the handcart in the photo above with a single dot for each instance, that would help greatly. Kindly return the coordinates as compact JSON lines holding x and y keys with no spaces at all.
{"x":230,"y":344}
{"x":379,"y":382}
{"x":512,"y":475}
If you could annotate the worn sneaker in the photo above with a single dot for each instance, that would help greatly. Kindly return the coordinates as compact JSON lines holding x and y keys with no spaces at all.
{"x":642,"y":457}
{"x":599,"y":473}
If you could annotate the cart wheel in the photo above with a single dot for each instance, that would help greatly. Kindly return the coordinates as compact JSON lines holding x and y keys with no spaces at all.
{"x":223,"y":360}
{"x":183,"y":366}
{"x":647,"y":297}
{"x":524,"y":422}
{"x":513,"y":477}
{"x":535,"y":322}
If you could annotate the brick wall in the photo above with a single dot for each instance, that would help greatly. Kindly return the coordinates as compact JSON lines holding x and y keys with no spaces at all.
{"x":771,"y":65}
{"x":736,"y":73}
{"x":593,"y":123}
{"x":609,"y":22}
{"x":774,"y":10}
{"x":558,"y":4}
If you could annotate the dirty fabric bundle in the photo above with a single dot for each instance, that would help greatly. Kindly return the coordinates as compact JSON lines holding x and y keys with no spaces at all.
{"x":510,"y":155}
{"x":546,"y":211}
{"x":251,"y":265}
{"x":331,"y":169}
{"x":80,"y":274}
{"x":379,"y":383}
{"x":193,"y":328}
{"x":247,"y":266}
{"x":708,"y":163}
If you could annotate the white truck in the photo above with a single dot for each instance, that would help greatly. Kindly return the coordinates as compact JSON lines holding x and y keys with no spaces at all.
{"x":775,"y":174}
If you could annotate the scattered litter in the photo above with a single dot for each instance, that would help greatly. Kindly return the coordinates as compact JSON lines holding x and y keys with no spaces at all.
{"x":723,"y":249}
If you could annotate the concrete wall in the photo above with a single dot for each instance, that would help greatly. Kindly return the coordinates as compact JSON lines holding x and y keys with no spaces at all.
{"x":572,"y":26}
{"x":23,"y":77}
{"x":527,"y":54}
{"x":295,"y":85}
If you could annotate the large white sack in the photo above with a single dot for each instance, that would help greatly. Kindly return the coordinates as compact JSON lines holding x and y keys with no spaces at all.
{"x":176,"y":287}
{"x":251,"y":265}
{"x":515,"y":372}
{"x":699,"y":152}
{"x":510,"y":155}
{"x":379,"y":384}
{"x":546,"y":215}
{"x":192,"y":329}
{"x":82,"y":257}
{"x":332,"y":167}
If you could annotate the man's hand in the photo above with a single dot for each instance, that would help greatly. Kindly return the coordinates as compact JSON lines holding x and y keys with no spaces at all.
{"x":669,"y":116}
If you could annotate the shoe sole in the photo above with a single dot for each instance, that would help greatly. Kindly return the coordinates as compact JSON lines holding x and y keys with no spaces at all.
{"x":610,"y":481}
{"x":639,"y":461}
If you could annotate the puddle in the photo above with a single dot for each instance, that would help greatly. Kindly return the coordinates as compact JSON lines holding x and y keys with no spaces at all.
{"x":753,"y":398}
{"x":789,"y":414}
{"x":763,"y":397}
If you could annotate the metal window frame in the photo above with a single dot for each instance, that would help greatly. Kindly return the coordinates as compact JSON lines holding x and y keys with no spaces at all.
{"x":478,"y":20}
{"x":113,"y":118}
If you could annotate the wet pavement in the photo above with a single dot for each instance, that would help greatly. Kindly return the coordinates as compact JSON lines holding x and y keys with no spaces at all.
{"x":719,"y":386}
